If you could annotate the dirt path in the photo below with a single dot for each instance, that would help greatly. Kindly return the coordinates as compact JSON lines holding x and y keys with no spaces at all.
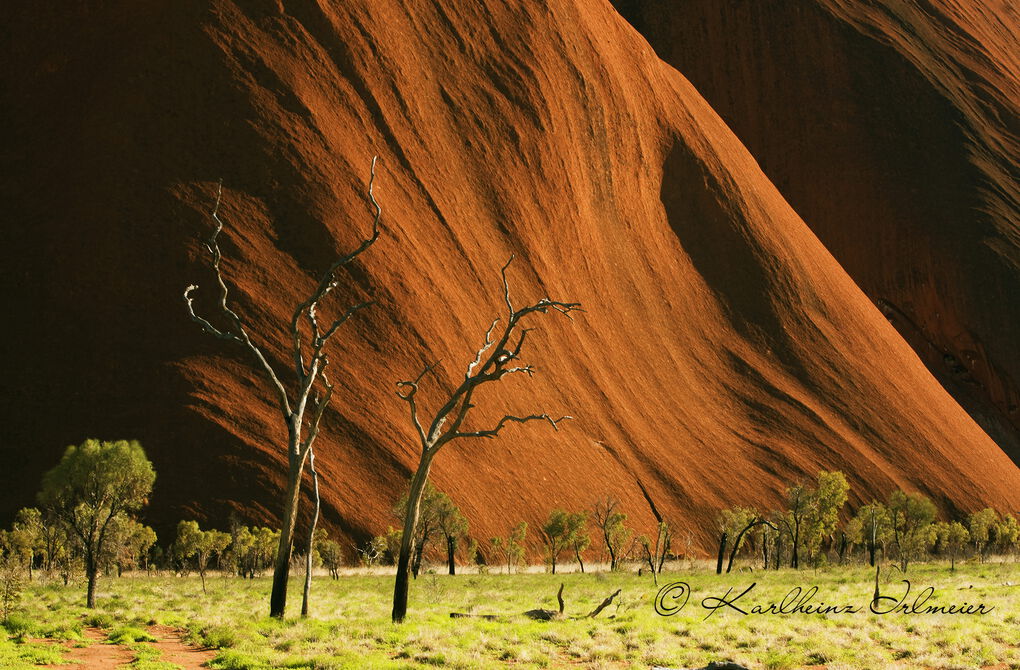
{"x":177,"y":651}
{"x":100,"y":656}
{"x":95,"y":655}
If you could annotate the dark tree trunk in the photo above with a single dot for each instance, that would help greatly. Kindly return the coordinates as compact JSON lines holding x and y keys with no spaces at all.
{"x":416,"y":563}
{"x":92,"y":570}
{"x":577,"y":554}
{"x":740,"y":536}
{"x":794,"y":562}
{"x":722,"y":553}
{"x":451,"y":549}
{"x":281,"y":572}
{"x":400,"y":585}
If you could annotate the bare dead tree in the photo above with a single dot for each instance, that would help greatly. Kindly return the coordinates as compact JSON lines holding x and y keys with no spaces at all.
{"x":311,"y":531}
{"x":497,"y":358}
{"x":300,"y":405}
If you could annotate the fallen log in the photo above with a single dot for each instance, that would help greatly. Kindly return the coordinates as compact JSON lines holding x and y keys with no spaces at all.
{"x":541,"y":614}
{"x":605,"y":603}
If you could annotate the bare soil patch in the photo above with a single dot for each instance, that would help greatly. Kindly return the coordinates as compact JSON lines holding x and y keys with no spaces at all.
{"x":97,"y":655}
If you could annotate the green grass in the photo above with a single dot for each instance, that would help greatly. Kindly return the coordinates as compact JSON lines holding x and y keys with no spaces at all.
{"x":351,"y":628}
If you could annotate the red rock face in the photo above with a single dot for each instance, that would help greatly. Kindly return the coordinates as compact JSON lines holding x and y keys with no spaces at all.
{"x":891,"y":129}
{"x":724,"y":353}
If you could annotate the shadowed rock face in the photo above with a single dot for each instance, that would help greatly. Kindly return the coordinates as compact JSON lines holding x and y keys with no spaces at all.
{"x":724,"y":354}
{"x":892,"y":129}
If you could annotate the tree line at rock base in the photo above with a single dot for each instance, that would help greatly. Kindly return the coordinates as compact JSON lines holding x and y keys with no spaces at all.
{"x":86,"y":525}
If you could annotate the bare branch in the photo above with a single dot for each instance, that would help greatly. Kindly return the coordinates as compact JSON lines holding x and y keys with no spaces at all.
{"x":302,"y":430}
{"x":516,"y":353}
{"x":506,"y":285}
{"x":239,"y":333}
{"x":509,"y":418}
{"x":320,"y":408}
{"x":412,"y":390}
{"x":213,"y":247}
{"x":544,"y":305}
{"x":206,"y":326}
{"x":526,"y":369}
{"x":328,"y":281}
{"x":320,"y":341}
{"x":481,"y":352}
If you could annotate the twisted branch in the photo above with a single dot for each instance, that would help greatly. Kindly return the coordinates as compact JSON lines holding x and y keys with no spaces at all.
{"x":239,"y":334}
{"x":509,"y":418}
{"x":491,"y":362}
{"x":306,"y":372}
{"x":412,"y":390}
{"x":309,"y":307}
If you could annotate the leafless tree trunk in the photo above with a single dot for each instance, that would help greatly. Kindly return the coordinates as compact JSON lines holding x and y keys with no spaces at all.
{"x":494,"y":360}
{"x":311,"y":534}
{"x":301,"y":406}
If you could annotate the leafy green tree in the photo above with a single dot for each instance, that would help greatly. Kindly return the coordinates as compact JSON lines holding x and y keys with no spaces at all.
{"x":655,"y":554}
{"x":511,"y":547}
{"x":854,"y":532}
{"x":240,"y":549}
{"x":391,"y":540}
{"x":131,"y":544}
{"x":556,"y":535}
{"x":427,"y":527}
{"x":453,"y":526}
{"x":578,"y":537}
{"x":732,"y":521}
{"x":26,"y":537}
{"x":872,"y":528}
{"x":825,"y":504}
{"x":952,"y":538}
{"x":610,"y":522}
{"x":982,"y":531}
{"x":11,"y":583}
{"x":264,"y":549}
{"x":1007,"y":534}
{"x":94,"y":483}
{"x":192,"y":541}
{"x":474,"y":556}
{"x":798,"y":505}
{"x":515,"y":545}
{"x":63,"y":553}
{"x":911,"y":517}
{"x":330,"y":552}
{"x":498,"y":544}
{"x":812,"y":514}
